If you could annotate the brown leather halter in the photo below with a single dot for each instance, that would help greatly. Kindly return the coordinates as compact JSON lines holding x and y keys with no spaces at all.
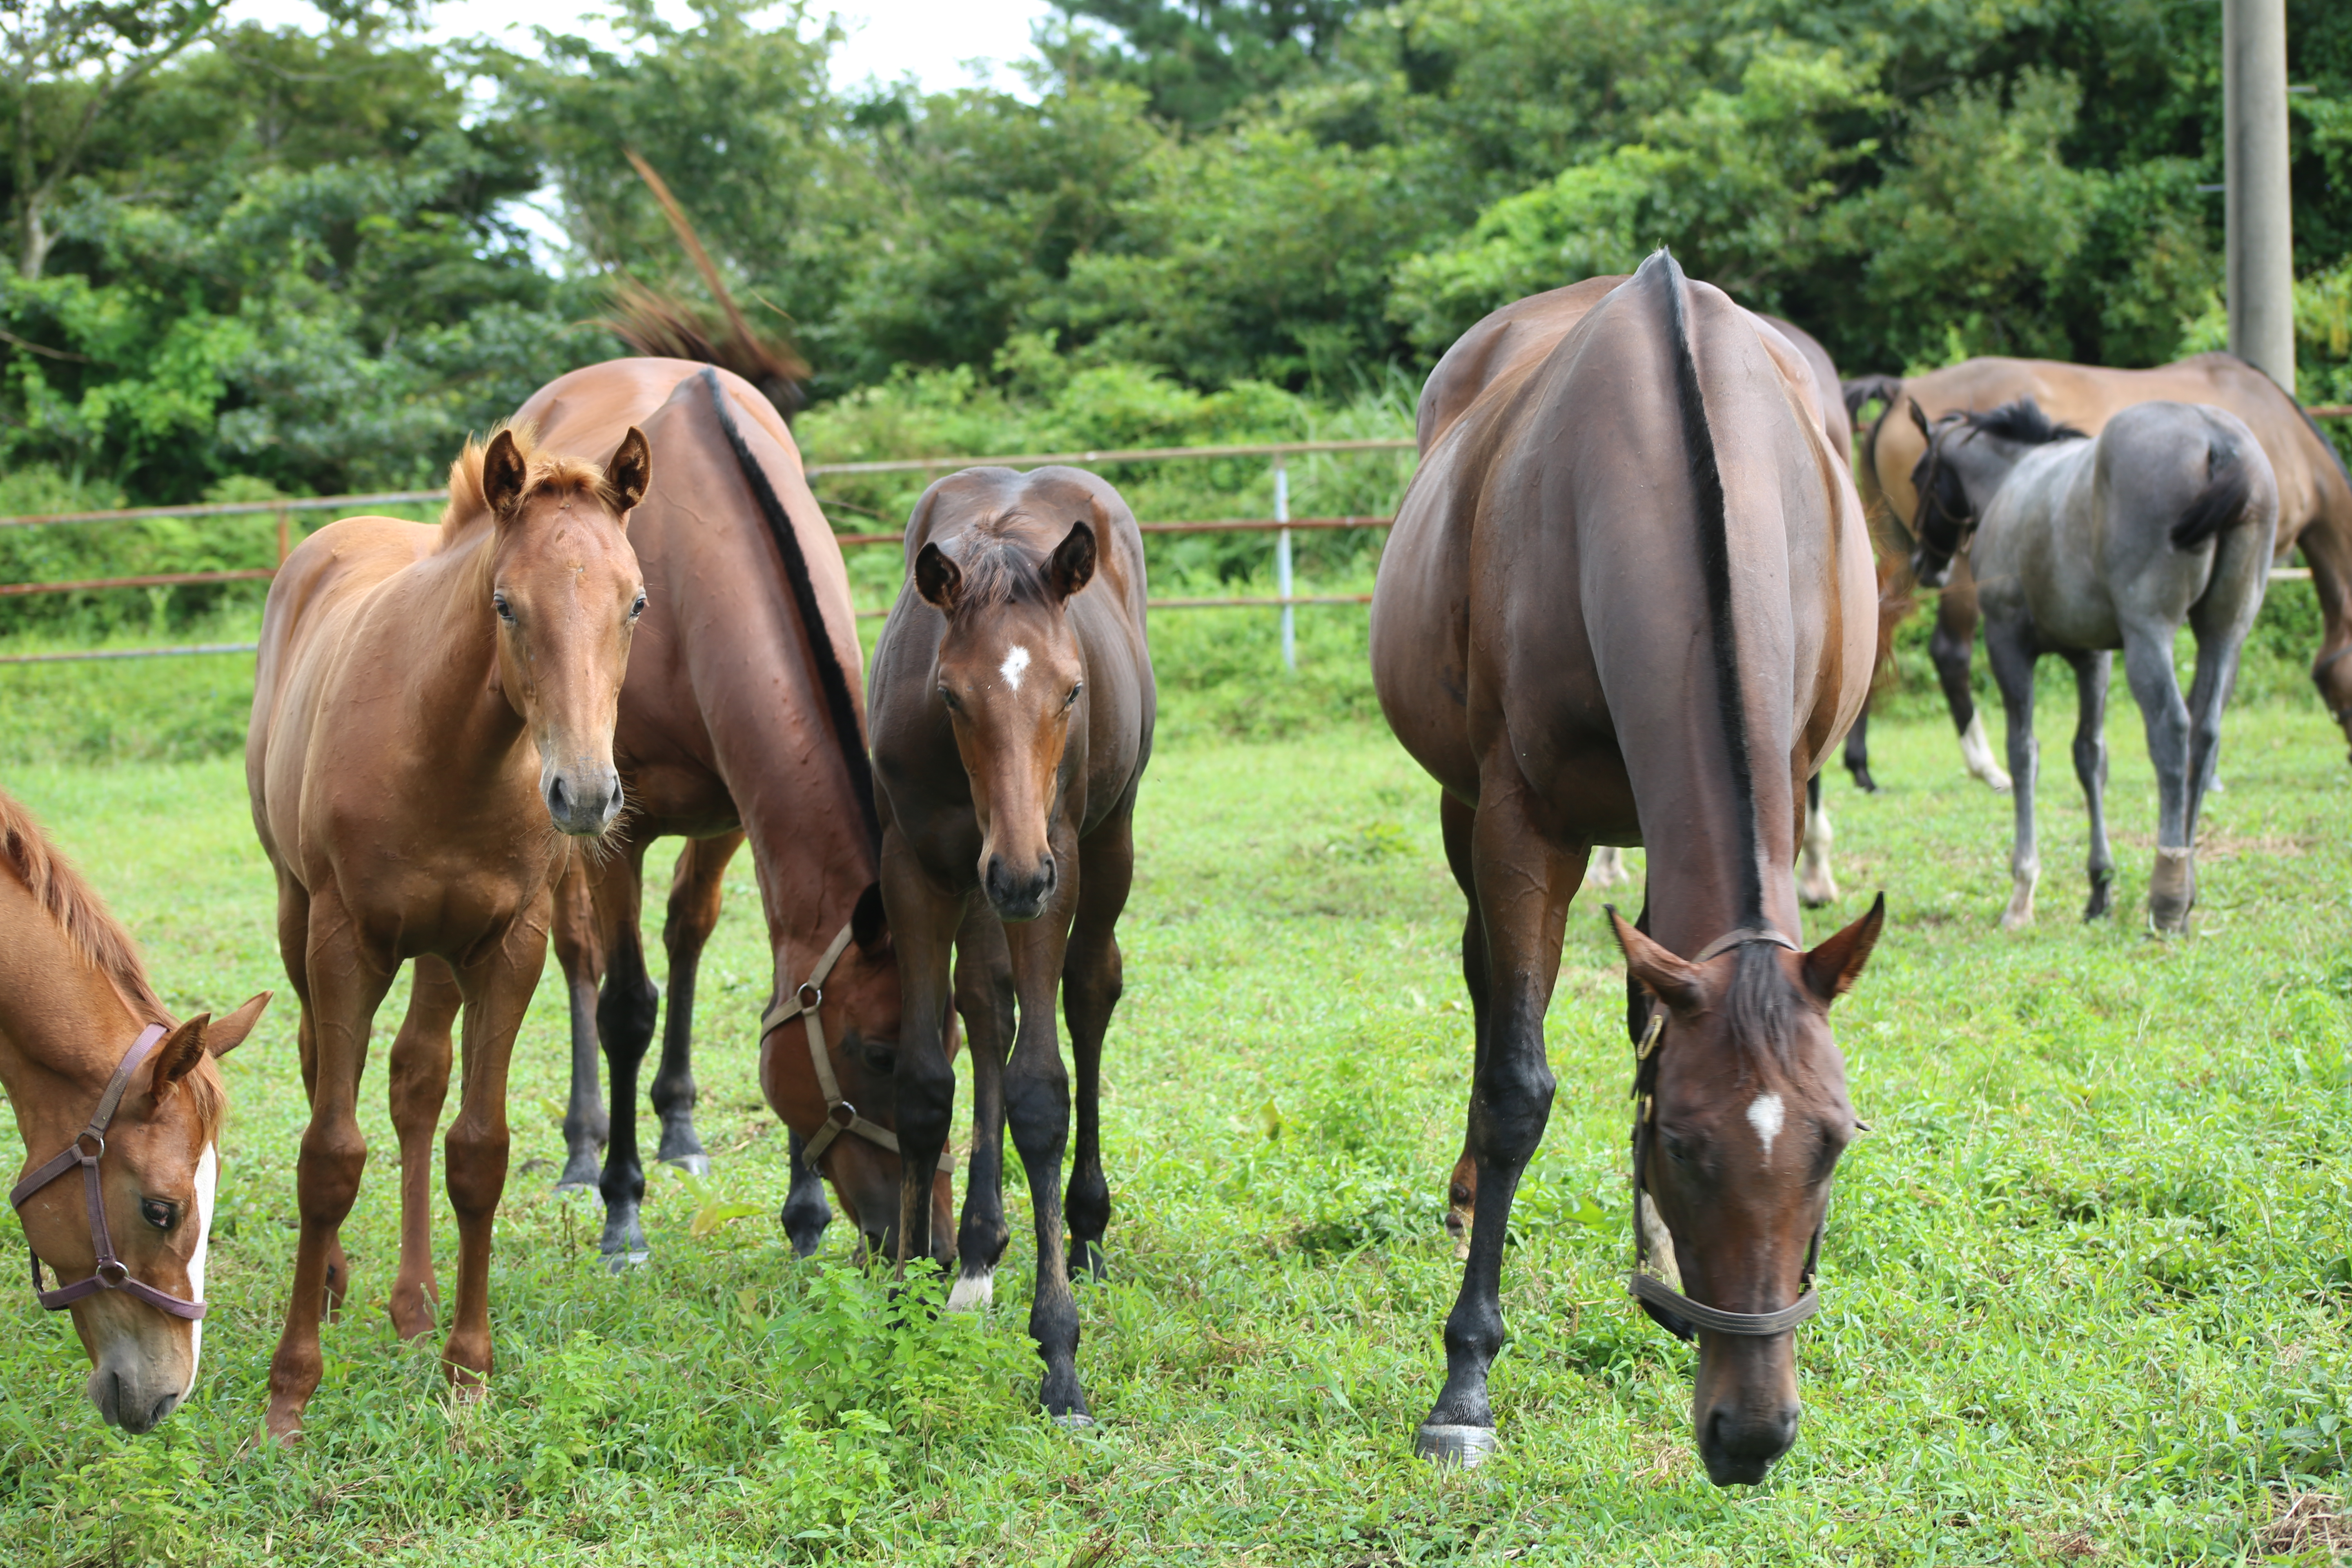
{"x":87,"y":1148}
{"x":840,"y":1116}
{"x":1667,"y":1306}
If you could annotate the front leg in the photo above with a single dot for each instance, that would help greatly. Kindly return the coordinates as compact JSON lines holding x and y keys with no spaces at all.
{"x":498,"y":989}
{"x":983,"y":996}
{"x":1037,"y":1107}
{"x":805,"y":1213}
{"x":694,"y":900}
{"x":2091,"y":673}
{"x":1524,"y":885}
{"x":1949,"y":647}
{"x":625,"y":1022}
{"x":2010,"y":644}
{"x":923,"y":923}
{"x":580,"y":956}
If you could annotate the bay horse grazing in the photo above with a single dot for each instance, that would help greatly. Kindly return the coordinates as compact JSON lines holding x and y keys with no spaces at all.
{"x":432,"y":717}
{"x":2313,"y":487}
{"x":2084,"y":545}
{"x":119,"y":1107}
{"x":740,"y":720}
{"x":1627,"y":601}
{"x":1013,"y":711}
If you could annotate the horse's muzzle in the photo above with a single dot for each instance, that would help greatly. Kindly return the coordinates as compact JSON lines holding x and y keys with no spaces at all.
{"x":583,"y":805}
{"x":1015,"y":896}
{"x":1931,"y":576}
{"x":125,"y":1399}
{"x":1740,"y":1446}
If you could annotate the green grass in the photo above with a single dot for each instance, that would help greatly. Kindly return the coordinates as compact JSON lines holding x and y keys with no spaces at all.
{"x":2086,"y":1282}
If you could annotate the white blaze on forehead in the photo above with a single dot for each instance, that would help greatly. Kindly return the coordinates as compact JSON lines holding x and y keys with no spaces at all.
{"x":207,"y":1180}
{"x":1014,"y":663}
{"x":1765,"y":1116}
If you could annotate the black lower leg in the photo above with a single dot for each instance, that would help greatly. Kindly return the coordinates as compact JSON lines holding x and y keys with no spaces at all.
{"x":1857,"y":752}
{"x":624,"y":1018}
{"x":805,"y":1213}
{"x":586,"y":1125}
{"x":673,"y":1088}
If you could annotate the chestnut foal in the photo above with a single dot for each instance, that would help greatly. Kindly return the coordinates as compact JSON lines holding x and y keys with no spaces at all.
{"x":120,"y":1106}
{"x":433,"y":715}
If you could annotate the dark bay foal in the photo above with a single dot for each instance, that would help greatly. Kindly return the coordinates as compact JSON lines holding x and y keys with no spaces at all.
{"x":1012,"y":713}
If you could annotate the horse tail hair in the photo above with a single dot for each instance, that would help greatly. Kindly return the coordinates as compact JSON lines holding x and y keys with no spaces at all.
{"x":1898,"y":596}
{"x":2223,"y":503}
{"x":1863,"y":388}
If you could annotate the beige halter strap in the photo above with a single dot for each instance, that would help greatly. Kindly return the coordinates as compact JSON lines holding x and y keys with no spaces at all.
{"x":840,"y":1116}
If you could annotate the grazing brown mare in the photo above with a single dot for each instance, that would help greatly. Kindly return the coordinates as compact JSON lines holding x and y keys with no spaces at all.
{"x":741,"y":718}
{"x":1013,"y":711}
{"x":116,"y":1101}
{"x":1627,"y":601}
{"x":2314,"y":496}
{"x":432,"y":715}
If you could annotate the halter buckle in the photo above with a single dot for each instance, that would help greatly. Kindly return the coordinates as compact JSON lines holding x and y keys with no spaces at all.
{"x":114,"y":1273}
{"x":842,"y":1114}
{"x":82,"y":1141}
{"x":808,"y":995}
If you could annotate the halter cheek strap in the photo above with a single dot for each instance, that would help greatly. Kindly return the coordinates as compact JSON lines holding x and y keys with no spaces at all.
{"x":840,"y":1116}
{"x":87,"y":1148}
{"x":1669,"y":1308}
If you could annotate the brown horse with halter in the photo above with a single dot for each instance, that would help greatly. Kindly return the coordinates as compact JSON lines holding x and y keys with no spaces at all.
{"x":2314,"y":498}
{"x":119,"y":1107}
{"x":1013,"y":711}
{"x":432,"y":727}
{"x":1627,"y":600}
{"x":741,"y":717}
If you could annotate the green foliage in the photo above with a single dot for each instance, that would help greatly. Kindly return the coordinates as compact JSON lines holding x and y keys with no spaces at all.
{"x":138,"y":1502}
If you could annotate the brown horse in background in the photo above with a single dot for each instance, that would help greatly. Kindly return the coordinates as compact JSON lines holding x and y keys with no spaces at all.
{"x":433,"y":713}
{"x":741,"y":718}
{"x":1014,"y":705}
{"x":2314,"y":498}
{"x":93,"y":1064}
{"x":1627,"y":601}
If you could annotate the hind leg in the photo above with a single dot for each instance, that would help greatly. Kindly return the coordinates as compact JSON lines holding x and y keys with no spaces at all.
{"x":983,"y":995}
{"x":1092,"y":980}
{"x":586,"y":1126}
{"x":2012,"y":647}
{"x":1606,"y":866}
{"x":1816,"y":882}
{"x":1462,"y":1191}
{"x":2091,"y":671}
{"x":625,"y":1022}
{"x":1857,"y":752}
{"x":694,"y":897}
{"x":2148,"y":665}
{"x":419,"y":1084}
{"x":1524,"y":885}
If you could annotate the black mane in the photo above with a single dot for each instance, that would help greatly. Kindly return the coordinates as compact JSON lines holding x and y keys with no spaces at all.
{"x":2023,"y":422}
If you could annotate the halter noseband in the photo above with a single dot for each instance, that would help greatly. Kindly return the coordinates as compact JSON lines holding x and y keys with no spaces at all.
{"x":86,"y":1149}
{"x":1931,"y":503}
{"x":1669,"y":1308}
{"x":840,"y":1116}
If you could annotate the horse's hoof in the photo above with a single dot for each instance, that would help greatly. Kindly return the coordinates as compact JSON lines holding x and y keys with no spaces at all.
{"x":1075,"y":1421}
{"x":695,"y":1165}
{"x":1468,"y":1446}
{"x":622,"y":1261}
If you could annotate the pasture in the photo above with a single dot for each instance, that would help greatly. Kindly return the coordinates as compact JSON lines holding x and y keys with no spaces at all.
{"x":2085,"y":1285}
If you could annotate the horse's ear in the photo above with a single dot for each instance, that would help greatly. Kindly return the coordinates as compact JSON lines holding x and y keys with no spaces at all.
{"x":226,"y":1034}
{"x":869,"y":922}
{"x":630,"y":471}
{"x":938,"y":579}
{"x":182,"y":1049}
{"x":1072,"y":565}
{"x":504,"y":473}
{"x":1832,"y":968}
{"x":1672,"y":980}
{"x":1919,"y":417}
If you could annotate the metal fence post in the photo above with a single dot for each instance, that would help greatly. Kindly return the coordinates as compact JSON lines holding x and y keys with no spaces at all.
{"x":1282,"y":561}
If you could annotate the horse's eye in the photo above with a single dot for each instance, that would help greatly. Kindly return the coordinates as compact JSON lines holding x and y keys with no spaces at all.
{"x":950,"y":698}
{"x":882,"y":1059}
{"x":638,"y":608}
{"x":498,"y":603}
{"x":1073,"y":697}
{"x":159,"y":1214}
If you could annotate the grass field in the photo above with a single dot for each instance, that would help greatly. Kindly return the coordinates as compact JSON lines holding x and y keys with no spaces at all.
{"x":2085,"y":1284}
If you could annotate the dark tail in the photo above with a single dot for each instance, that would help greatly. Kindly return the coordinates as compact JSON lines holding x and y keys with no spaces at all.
{"x":2221,"y":504}
{"x":1863,"y":388}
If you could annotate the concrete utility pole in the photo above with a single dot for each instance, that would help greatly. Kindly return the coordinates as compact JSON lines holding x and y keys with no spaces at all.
{"x":2256,"y":198}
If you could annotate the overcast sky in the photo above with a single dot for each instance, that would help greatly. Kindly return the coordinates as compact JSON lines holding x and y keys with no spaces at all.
{"x":930,"y":39}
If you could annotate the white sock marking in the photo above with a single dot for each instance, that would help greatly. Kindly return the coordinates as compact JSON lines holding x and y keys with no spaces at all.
{"x":207,"y":1179}
{"x":1976,"y":754}
{"x":972,"y":1292}
{"x":1765,"y":1116}
{"x":1014,"y":663}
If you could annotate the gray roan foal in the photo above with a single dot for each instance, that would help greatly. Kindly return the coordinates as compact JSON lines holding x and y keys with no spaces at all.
{"x":2086,"y":545}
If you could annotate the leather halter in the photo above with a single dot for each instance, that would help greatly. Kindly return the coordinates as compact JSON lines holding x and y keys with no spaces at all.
{"x":1963,"y":526}
{"x":1667,"y":1306}
{"x":840,"y":1116}
{"x":86,"y":1149}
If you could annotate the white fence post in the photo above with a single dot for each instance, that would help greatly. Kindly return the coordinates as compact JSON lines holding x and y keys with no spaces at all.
{"x":1282,"y":561}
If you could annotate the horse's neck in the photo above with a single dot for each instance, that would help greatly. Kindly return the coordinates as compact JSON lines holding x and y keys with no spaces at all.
{"x":812,"y":866}
{"x":63,"y":1024}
